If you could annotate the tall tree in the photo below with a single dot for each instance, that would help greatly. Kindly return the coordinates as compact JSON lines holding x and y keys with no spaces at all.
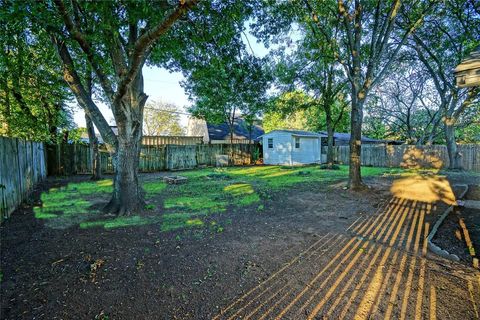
{"x":406,"y":104}
{"x":117,"y":39}
{"x":440,"y":45}
{"x":233,"y":84}
{"x":305,"y":60}
{"x":373,"y":33}
{"x":364,"y":37}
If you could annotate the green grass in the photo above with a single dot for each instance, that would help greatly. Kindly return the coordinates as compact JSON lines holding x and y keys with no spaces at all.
{"x":185,"y":206}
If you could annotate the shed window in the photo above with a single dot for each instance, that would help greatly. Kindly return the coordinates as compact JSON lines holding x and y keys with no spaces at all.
{"x":270,"y":143}
{"x":297,"y":143}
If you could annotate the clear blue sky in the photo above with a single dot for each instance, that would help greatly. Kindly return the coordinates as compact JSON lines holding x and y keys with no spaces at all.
{"x":162,"y":85}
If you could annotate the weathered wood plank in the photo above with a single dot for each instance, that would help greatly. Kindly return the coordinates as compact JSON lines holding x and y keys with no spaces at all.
{"x":22,"y":164}
{"x":410,"y":156}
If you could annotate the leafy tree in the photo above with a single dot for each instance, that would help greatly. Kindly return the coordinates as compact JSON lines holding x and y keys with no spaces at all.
{"x":297,"y":110}
{"x":289,"y":110}
{"x":162,"y":118}
{"x":117,"y":39}
{"x":306,"y":61}
{"x":231,"y":84}
{"x":440,"y":45}
{"x":275,"y":120}
{"x":364,"y":37}
{"x":33,"y":96}
{"x":372,"y":35}
{"x":467,"y":129}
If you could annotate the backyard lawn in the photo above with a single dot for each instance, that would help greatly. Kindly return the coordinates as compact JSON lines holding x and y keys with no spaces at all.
{"x":258,"y":242}
{"x":188,"y":205}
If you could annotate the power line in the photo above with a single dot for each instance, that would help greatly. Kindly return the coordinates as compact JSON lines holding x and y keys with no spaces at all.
{"x":169,"y":111}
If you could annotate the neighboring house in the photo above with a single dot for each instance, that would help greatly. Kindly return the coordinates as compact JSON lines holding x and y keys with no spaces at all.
{"x":293,"y":147}
{"x":220,"y":133}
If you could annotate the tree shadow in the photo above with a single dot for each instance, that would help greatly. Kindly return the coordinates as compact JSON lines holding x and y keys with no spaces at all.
{"x":424,"y":187}
{"x":418,"y":158}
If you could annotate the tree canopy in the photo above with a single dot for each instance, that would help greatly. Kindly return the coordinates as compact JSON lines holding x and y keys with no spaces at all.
{"x":162,"y":118}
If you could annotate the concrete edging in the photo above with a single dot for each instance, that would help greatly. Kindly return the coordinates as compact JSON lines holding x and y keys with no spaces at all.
{"x":432,"y":246}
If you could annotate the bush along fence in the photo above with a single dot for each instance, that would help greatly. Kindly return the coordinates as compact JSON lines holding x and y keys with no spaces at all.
{"x":68,"y":159}
{"x":409,"y":156}
{"x":22,"y":165}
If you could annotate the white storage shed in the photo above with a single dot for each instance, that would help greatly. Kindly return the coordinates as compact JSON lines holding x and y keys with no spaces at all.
{"x":291,"y":147}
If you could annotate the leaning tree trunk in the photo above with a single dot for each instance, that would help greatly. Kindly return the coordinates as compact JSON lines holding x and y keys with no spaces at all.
{"x":128,"y":195}
{"x":355,"y":177}
{"x":94,"y":153}
{"x":454,"y":156}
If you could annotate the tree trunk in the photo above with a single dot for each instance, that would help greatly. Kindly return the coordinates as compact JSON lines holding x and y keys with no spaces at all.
{"x":128,"y":195}
{"x":453,"y":155}
{"x":355,"y":177}
{"x":94,"y":153}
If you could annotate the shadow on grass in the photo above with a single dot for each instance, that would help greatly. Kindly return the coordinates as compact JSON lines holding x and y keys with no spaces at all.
{"x":208,"y":191}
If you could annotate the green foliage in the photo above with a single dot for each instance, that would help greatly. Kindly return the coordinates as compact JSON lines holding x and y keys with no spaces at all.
{"x":297,"y":110}
{"x":227,"y":87}
{"x":33,"y":95}
{"x":275,"y":120}
{"x":183,"y":206}
{"x":161,"y":118}
{"x":468,"y":128}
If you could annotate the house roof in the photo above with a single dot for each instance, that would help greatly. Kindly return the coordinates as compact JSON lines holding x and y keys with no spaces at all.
{"x":240,"y":130}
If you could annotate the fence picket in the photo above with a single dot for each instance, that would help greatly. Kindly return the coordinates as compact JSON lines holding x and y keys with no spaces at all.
{"x":409,"y":156}
{"x":22,"y":164}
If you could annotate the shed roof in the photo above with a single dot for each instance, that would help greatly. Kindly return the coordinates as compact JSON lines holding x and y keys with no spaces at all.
{"x":298,"y":133}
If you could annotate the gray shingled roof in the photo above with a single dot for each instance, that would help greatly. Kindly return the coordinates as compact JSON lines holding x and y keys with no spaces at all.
{"x":299,"y":132}
{"x":240,"y":130}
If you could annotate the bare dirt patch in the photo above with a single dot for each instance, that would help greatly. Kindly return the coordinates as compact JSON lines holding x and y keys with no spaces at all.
{"x":143,"y":272}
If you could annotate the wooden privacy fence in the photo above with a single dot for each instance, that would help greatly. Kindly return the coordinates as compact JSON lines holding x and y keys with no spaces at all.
{"x":409,"y":156}
{"x":177,"y":140}
{"x":68,"y":159}
{"x":22,"y":164}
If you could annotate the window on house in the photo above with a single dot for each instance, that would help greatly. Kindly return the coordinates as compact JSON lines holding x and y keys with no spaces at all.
{"x":297,"y":143}
{"x":270,"y":143}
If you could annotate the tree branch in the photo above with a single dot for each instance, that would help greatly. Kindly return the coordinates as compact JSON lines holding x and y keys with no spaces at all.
{"x":144,"y":42}
{"x":80,"y":38}
{"x":71,"y":77}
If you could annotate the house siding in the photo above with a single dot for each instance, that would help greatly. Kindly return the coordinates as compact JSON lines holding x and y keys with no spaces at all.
{"x":309,"y":151}
{"x":281,"y":151}
{"x":284,"y":151}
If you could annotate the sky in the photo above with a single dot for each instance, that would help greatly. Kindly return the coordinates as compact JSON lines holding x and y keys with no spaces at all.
{"x":162,"y":85}
{"x":159,"y":85}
